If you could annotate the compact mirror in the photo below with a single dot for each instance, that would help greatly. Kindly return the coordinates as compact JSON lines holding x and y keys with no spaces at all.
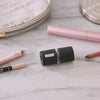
{"x":91,"y":10}
{"x":17,"y":16}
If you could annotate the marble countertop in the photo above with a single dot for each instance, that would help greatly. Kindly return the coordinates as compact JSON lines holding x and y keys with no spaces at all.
{"x":77,"y":80}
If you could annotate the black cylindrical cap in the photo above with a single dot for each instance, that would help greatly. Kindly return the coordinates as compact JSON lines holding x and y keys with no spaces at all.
{"x":66,"y":54}
{"x":48,"y":57}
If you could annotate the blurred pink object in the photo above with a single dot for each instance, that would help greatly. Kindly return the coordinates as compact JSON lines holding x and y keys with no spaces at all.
{"x":74,"y":33}
{"x":11,"y":57}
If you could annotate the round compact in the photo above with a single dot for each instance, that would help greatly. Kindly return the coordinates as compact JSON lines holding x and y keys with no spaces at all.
{"x":91,"y":10}
{"x":17,"y":16}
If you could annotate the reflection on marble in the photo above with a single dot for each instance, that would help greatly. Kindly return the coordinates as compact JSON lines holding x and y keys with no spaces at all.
{"x":78,"y":80}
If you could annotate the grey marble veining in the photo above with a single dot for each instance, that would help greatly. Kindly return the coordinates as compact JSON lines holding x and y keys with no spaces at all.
{"x":78,"y":80}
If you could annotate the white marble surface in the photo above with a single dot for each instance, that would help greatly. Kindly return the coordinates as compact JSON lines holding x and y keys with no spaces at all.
{"x":78,"y":80}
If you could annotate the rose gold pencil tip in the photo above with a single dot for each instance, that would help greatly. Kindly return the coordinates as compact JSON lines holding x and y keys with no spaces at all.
{"x":22,"y":51}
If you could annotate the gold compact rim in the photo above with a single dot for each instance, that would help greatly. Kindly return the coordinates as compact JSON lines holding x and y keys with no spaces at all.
{"x":23,"y":29}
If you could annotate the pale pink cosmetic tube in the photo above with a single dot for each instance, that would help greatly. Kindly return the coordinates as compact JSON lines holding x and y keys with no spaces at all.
{"x":11,"y":57}
{"x":74,"y":33}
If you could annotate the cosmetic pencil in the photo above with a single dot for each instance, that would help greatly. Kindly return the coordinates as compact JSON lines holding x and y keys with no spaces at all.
{"x":73,"y":33}
{"x":93,"y":55}
{"x":11,"y":57}
{"x":13,"y":67}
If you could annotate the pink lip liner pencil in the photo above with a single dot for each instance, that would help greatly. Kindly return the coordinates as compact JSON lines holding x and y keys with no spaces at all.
{"x":12,"y":57}
{"x":93,"y":55}
{"x":74,"y":33}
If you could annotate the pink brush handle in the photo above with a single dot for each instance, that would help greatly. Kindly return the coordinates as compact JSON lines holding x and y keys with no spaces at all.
{"x":74,"y":33}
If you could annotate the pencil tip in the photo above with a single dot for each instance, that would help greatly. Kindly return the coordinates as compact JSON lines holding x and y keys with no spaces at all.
{"x":22,"y":52}
{"x":87,"y":57}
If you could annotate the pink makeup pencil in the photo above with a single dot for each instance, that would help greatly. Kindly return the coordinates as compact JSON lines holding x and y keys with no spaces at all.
{"x":11,"y":57}
{"x":74,"y":33}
